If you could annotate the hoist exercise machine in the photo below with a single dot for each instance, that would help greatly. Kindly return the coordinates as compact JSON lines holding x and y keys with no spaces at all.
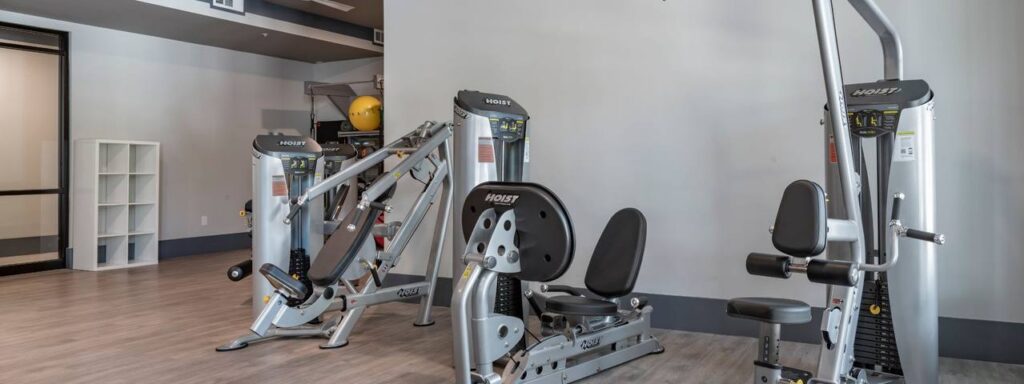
{"x":346,"y":275}
{"x":491,"y":144}
{"x":272,"y":159}
{"x":880,"y":323}
{"x":523,"y":230}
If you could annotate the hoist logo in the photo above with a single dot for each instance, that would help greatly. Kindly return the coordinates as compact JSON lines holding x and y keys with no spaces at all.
{"x":875,"y":92}
{"x":291,"y":143}
{"x":501,"y":102}
{"x":408,"y":292}
{"x":590,"y":343}
{"x":501,"y":199}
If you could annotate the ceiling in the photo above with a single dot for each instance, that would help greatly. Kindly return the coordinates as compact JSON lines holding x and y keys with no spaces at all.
{"x":367,"y":13}
{"x":154,"y":20}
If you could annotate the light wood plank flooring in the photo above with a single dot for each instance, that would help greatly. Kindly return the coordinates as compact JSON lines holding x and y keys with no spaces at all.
{"x":160,"y":324}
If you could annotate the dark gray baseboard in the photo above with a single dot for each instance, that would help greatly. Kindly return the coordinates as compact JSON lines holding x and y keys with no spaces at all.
{"x":196,"y":245}
{"x":205,"y":244}
{"x":982,"y":340}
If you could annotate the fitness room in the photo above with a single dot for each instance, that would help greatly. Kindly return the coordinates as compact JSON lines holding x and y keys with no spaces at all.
{"x":592,"y":191}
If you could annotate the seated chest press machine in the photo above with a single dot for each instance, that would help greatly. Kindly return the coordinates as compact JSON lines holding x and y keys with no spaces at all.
{"x":523,"y":230}
{"x":350,"y":256}
{"x":880,"y":321}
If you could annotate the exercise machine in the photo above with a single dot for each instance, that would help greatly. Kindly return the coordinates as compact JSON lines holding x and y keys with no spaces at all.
{"x":880,"y":323}
{"x":283,"y":167}
{"x":491,"y":144}
{"x":348,"y":273}
{"x":523,"y":230}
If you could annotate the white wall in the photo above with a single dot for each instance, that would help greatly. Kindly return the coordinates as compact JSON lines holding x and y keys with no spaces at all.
{"x":700,"y":112}
{"x":203,"y":104}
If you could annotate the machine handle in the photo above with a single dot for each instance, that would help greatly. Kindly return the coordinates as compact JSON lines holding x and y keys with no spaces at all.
{"x":360,"y":210}
{"x":762,"y":264}
{"x":293,"y":210}
{"x":240,"y":271}
{"x":357,"y":214}
{"x":375,"y":276}
{"x":897,"y":199}
{"x":936,"y":238}
{"x":561,"y":289}
{"x":832,"y":272}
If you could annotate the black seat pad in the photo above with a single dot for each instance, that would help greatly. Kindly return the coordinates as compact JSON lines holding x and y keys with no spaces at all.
{"x":341,"y":250}
{"x":770,"y":310}
{"x":616,"y":261}
{"x":581,"y":306}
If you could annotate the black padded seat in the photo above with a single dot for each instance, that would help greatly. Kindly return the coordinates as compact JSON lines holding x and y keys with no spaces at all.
{"x":581,"y":306}
{"x":341,"y":250}
{"x":617,"y":257}
{"x":770,"y":310}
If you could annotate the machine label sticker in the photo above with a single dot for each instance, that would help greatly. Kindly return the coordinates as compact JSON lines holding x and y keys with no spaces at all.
{"x":590,"y":343}
{"x":408,"y":292}
{"x":875,"y":92}
{"x":278,"y":186}
{"x":501,"y":102}
{"x":832,"y":156}
{"x":501,"y":199}
{"x":485,"y":150}
{"x":906,"y":147}
{"x":526,"y":150}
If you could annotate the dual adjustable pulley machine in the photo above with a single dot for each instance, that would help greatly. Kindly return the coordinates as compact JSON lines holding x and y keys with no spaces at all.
{"x":880,"y":322}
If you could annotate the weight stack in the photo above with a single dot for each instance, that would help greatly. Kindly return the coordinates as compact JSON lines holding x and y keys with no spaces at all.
{"x":875,"y":346}
{"x":298,"y":266}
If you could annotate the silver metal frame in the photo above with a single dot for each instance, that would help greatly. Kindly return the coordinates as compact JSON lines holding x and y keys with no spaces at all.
{"x":418,"y":151}
{"x":587,"y":346}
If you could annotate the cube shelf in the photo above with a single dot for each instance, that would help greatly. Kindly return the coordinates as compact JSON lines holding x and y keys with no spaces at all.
{"x":116,"y":204}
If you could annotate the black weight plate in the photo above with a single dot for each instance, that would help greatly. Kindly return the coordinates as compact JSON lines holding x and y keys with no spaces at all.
{"x":544,"y":233}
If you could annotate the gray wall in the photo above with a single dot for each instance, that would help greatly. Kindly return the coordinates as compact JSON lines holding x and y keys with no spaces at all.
{"x":700,"y":112}
{"x":203,"y":104}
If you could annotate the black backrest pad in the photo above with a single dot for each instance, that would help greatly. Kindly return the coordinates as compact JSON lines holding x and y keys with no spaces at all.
{"x":341,"y":249}
{"x":543,"y":229}
{"x":801,"y":224}
{"x":617,"y":257}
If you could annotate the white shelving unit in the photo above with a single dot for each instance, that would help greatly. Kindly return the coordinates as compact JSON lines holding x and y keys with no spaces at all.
{"x":116,"y":204}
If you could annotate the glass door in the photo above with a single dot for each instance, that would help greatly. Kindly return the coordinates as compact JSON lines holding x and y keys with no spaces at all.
{"x":33,"y":149}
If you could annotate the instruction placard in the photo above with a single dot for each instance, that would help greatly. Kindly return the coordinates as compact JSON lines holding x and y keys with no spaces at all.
{"x":905,"y":147}
{"x":279,"y":186}
{"x":485,"y":150}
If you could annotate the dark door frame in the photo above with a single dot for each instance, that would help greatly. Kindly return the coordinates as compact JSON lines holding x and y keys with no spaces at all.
{"x":64,"y":137}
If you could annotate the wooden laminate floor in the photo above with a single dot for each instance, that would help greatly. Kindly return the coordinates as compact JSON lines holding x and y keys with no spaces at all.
{"x":160,"y":324}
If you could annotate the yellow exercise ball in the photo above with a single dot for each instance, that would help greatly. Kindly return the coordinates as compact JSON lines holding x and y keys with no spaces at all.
{"x":364,"y":113}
